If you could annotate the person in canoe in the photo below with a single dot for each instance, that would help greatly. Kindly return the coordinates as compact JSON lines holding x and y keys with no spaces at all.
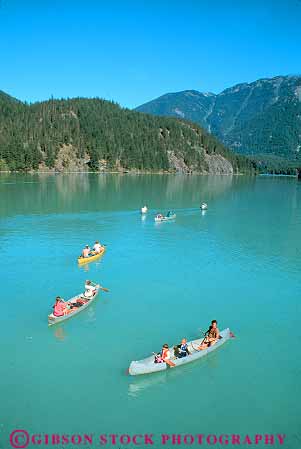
{"x":169,"y":213}
{"x":86,"y":251}
{"x":165,"y":354}
{"x":90,"y":289}
{"x":211,"y":336}
{"x":182,"y":349}
{"x":60,"y":307}
{"x":97,"y":248}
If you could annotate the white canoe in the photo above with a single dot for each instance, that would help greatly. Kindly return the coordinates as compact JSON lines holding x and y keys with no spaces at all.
{"x":146,"y":366}
{"x":204,"y":206}
{"x":52,"y":319}
{"x":172,"y":217}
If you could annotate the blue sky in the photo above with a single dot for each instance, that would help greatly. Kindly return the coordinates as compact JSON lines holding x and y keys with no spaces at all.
{"x":134,"y":51}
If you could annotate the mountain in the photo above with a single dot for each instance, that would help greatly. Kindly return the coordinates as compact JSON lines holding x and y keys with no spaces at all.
{"x":83,"y":134}
{"x":262,"y":119}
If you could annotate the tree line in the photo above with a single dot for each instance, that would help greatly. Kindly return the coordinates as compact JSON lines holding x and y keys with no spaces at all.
{"x":102,"y":132}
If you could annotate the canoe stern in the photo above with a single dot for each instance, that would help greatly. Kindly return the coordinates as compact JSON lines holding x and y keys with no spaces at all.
{"x":136,"y":368}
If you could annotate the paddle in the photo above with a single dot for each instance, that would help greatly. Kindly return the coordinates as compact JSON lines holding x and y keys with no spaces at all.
{"x":205,"y":335}
{"x":192,"y":339}
{"x":195,"y":349}
{"x":101,"y":288}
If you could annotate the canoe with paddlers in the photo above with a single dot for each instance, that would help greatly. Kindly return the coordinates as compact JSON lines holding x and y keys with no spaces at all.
{"x":91,"y":257}
{"x":63,"y":310}
{"x":169,"y":216}
{"x":149,"y":365}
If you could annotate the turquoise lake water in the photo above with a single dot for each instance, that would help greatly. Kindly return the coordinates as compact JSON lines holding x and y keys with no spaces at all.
{"x":239,"y":263}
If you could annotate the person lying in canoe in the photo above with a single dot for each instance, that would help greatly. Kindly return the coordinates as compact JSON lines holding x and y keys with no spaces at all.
{"x":182,"y":349}
{"x":97,"y":248}
{"x":165,"y":354}
{"x":90,"y":289}
{"x":211,"y":336}
{"x":86,"y":251}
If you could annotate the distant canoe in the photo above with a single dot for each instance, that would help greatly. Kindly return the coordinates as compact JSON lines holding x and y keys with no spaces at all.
{"x":144,"y":210}
{"x":204,"y":206}
{"x":165,"y":218}
{"x":52,"y":319}
{"x":82,"y":260}
{"x":146,"y":366}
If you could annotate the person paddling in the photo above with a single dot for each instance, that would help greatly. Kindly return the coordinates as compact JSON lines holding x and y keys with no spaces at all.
{"x":90,"y":289}
{"x":211,"y":336}
{"x":86,"y":251}
{"x":165,"y":354}
{"x":97,"y":248}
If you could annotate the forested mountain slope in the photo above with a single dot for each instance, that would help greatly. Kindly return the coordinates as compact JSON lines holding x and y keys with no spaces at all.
{"x":94,"y":134}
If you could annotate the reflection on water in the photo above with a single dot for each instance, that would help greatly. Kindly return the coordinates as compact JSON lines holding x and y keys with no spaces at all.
{"x":84,"y":267}
{"x":94,"y":192}
{"x":140,"y":383}
{"x":91,"y":314}
{"x":59,"y":332}
{"x":73,"y":184}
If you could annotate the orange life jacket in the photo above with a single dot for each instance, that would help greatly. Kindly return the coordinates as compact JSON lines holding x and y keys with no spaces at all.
{"x":165,"y":352}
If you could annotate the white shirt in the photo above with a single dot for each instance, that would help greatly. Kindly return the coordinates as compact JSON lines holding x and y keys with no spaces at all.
{"x":89,"y":290}
{"x":97,"y":247}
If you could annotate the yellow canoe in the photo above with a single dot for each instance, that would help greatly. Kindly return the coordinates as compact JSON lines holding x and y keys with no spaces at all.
{"x":81,"y":260}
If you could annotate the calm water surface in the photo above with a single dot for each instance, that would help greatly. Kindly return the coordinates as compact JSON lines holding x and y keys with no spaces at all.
{"x":239,"y":262}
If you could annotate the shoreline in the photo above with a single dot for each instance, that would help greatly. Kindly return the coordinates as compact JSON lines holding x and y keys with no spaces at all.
{"x":37,"y":172}
{"x":132,"y":172}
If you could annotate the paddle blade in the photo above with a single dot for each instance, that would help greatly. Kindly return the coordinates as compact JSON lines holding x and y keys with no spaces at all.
{"x":104,"y":289}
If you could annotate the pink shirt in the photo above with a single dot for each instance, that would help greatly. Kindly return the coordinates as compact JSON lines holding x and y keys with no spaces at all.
{"x":59,"y":309}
